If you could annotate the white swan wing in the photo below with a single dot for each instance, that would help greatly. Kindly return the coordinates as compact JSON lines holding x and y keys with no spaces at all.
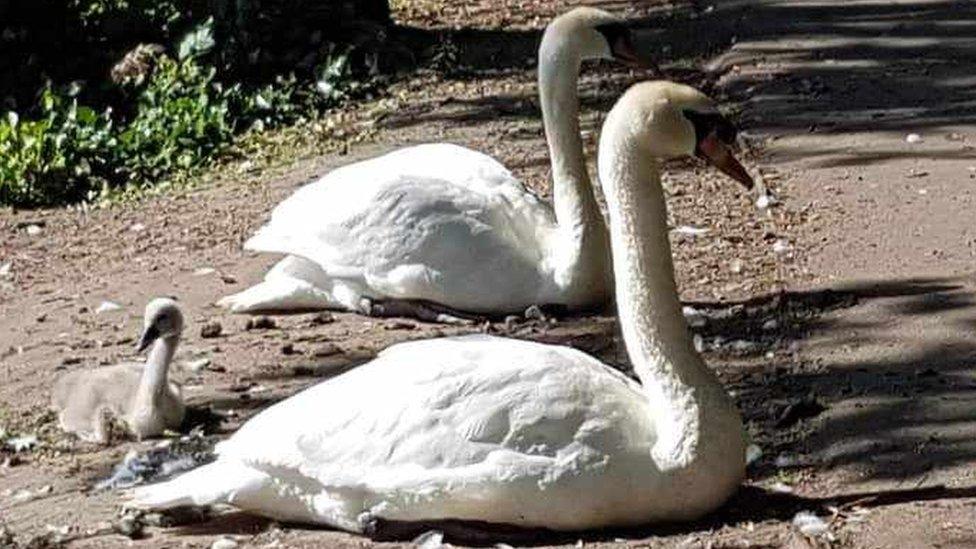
{"x":443,"y":428}
{"x":427,"y":222}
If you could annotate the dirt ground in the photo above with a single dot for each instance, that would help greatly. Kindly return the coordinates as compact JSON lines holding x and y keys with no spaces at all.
{"x":842,"y":318}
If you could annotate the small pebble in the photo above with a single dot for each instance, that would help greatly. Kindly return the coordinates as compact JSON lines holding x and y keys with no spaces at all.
{"x":534,"y":312}
{"x":400,"y":325}
{"x":260,"y":323}
{"x":736,"y":266}
{"x":770,"y":324}
{"x":197,"y":366}
{"x":224,"y":543}
{"x":326,"y":350}
{"x":781,"y":246}
{"x":33,"y":230}
{"x":810,"y":524}
{"x":913,"y":138}
{"x":137,"y":227}
{"x":5,"y":269}
{"x":431,"y":539}
{"x":107,"y":306}
{"x":323,"y":318}
{"x":211,"y":329}
{"x":204,"y":271}
{"x":288,"y":349}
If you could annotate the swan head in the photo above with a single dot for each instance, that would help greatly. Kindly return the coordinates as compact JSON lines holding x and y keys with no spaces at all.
{"x":674,"y":120}
{"x":594,"y":34}
{"x":162,"y":319}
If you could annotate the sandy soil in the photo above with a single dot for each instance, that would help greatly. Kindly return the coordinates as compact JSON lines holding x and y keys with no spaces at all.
{"x":841,"y":319}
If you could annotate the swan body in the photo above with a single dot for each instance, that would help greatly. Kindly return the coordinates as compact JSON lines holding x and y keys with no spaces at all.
{"x":447,"y":226}
{"x":138,"y":395}
{"x":504,"y":431}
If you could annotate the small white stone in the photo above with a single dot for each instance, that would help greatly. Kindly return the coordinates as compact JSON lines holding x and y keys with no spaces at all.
{"x":736,"y":266}
{"x":22,"y":443}
{"x":431,"y":539}
{"x":5,"y":270}
{"x":810,"y":524}
{"x":781,"y":246}
{"x":699,"y":343}
{"x":203,"y":271}
{"x":693,"y":316}
{"x":197,"y":366}
{"x":781,"y":488}
{"x":923,"y":191}
{"x":137,"y":227}
{"x":770,"y":324}
{"x":33,"y":230}
{"x":224,"y":543}
{"x":765,"y":201}
{"x":913,"y":138}
{"x":691,"y":231}
{"x":753,"y":453}
{"x":107,"y":306}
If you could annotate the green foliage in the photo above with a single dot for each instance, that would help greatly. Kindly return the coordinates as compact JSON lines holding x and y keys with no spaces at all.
{"x":182,"y":118}
{"x":233,"y":66}
{"x":57,"y":158}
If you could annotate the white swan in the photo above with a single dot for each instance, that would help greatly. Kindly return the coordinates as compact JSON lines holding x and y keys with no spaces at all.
{"x":138,"y":395}
{"x":505,"y":431}
{"x":435,"y":228}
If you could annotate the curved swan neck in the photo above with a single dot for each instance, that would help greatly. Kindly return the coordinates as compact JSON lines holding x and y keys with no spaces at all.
{"x":156,"y":370}
{"x":682,"y":393}
{"x":573,"y":201}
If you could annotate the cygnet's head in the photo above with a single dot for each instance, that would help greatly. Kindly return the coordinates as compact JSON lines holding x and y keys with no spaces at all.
{"x":671,"y":120}
{"x":163,"y":319}
{"x":595,"y":34}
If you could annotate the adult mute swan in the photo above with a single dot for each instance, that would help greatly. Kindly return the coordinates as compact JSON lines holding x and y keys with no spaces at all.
{"x":436,"y":228}
{"x":505,"y":431}
{"x":138,"y":395}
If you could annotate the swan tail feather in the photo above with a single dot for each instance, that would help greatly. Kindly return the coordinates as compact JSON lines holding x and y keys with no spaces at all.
{"x":218,"y":482}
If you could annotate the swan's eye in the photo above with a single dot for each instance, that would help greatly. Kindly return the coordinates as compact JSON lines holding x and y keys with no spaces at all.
{"x":706,"y":123}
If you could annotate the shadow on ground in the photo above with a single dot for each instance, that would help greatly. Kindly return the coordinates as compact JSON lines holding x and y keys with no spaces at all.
{"x":837,"y":67}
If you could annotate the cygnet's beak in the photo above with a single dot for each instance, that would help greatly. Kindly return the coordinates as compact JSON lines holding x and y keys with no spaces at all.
{"x":623,"y":50}
{"x":149,"y":335}
{"x":719,"y":154}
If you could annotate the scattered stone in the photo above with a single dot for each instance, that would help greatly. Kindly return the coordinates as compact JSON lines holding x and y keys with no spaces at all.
{"x":770,"y":325}
{"x":260,"y":323}
{"x":323,"y":318}
{"x":197,"y":366}
{"x":798,"y":411}
{"x":326,"y":350}
{"x":534,"y":312}
{"x":204,"y":271}
{"x":913,"y":138}
{"x":691,"y":231}
{"x":753,"y":453}
{"x":33,"y":230}
{"x":228,"y":279}
{"x":224,"y":543}
{"x":781,"y":246}
{"x":129,"y":526}
{"x":5,"y":269}
{"x":107,"y":306}
{"x":137,"y":227}
{"x":431,"y":539}
{"x":693,"y":316}
{"x":70,"y":360}
{"x":400,"y":325}
{"x":211,"y":329}
{"x":810,"y":524}
{"x":766,"y":201}
{"x":288,"y":349}
{"x":22,"y":443}
{"x":736,"y":266}
{"x":41,"y":317}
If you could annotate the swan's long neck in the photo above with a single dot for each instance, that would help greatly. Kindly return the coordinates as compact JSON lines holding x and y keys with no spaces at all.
{"x":582,"y":231}
{"x":685,"y":398}
{"x":154,"y":375}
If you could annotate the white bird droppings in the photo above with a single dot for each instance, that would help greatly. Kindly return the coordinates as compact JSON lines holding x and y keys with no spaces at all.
{"x":107,"y":306}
